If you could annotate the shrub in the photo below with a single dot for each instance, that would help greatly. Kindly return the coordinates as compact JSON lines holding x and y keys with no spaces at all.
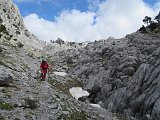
{"x":15,"y":26}
{"x":0,"y":36}
{"x":2,"y":118}
{"x":4,"y":10}
{"x":7,"y":37}
{"x":153,"y":26}
{"x":1,"y":20}
{"x":20,"y":45}
{"x":5,"y":106}
{"x":17,"y":119}
{"x":1,"y":49}
{"x":32,"y":104}
{"x":17,"y":32}
{"x":143,"y":29}
{"x":15,"y":39}
{"x":113,"y":43}
{"x":69,"y":60}
{"x":2,"y":28}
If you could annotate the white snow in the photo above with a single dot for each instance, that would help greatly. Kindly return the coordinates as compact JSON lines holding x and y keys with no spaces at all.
{"x":77,"y":92}
{"x":96,"y":105}
{"x":60,"y":73}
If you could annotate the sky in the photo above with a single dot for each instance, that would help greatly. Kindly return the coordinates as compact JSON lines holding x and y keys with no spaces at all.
{"x":85,"y":20}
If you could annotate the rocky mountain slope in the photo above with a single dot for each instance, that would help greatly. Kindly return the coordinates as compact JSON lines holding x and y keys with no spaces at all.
{"x":13,"y":28}
{"x":121,"y":74}
{"x":22,"y":95}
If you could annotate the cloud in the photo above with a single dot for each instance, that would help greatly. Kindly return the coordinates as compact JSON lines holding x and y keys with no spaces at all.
{"x":112,"y":18}
{"x":93,"y":5}
{"x":70,"y":26}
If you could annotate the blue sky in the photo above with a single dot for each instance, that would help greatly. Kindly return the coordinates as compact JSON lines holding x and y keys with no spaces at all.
{"x":50,"y":8}
{"x":56,"y":15}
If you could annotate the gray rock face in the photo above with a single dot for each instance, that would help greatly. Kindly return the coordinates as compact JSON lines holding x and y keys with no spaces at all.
{"x":127,"y":72}
{"x":29,"y":98}
{"x":15,"y":30}
{"x":6,"y":76}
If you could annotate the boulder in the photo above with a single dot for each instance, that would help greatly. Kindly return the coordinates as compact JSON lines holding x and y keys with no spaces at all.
{"x":6,"y":77}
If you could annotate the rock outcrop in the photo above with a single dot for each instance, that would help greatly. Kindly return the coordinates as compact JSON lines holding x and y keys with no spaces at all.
{"x":22,"y":95}
{"x":6,"y":77}
{"x":123,"y":74}
{"x":11,"y":24}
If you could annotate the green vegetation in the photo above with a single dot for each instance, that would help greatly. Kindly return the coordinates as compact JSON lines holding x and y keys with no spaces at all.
{"x":32,"y":104}
{"x":147,"y":20}
{"x":152,"y":26}
{"x":143,"y":29}
{"x":0,"y":36}
{"x":6,"y":93}
{"x":15,"y":39}
{"x":8,"y":16}
{"x":28,"y":117}
{"x":2,"y":28}
{"x":120,"y":116}
{"x":2,"y":118}
{"x":15,"y":26}
{"x":1,"y":49}
{"x":65,"y":86}
{"x":3,"y":58}
{"x":113,"y":43}
{"x":7,"y":38}
{"x":5,"y":106}
{"x":4,"y":10}
{"x":69,"y":60}
{"x":1,"y":20}
{"x":69,"y":112}
{"x":18,"y":32}
{"x":20,"y":45}
{"x":24,"y":67}
{"x":31,"y":54}
{"x":17,"y":119}
{"x":74,"y":116}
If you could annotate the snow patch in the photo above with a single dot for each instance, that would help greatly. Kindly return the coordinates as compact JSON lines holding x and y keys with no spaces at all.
{"x":60,"y":73}
{"x":77,"y":92}
{"x":95,"y":105}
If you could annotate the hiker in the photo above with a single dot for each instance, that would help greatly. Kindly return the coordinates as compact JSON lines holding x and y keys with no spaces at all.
{"x":44,"y":68}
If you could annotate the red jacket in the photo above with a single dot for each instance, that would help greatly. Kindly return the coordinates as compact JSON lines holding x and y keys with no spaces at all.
{"x":44,"y":66}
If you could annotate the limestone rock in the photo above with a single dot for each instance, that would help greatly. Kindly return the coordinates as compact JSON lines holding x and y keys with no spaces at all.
{"x":6,"y":77}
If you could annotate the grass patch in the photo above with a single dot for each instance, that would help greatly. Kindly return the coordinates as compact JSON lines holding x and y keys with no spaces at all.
{"x":17,"y":119}
{"x":5,"y":91}
{"x":15,"y":39}
{"x":18,"y":32}
{"x":74,"y":116}
{"x":72,"y":113}
{"x":120,"y":116}
{"x":24,"y":67}
{"x":32,"y":104}
{"x":66,"y":86}
{"x":2,"y":28}
{"x":20,"y":45}
{"x":2,"y":118}
{"x":4,"y":10}
{"x":7,"y":38}
{"x":5,"y":106}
